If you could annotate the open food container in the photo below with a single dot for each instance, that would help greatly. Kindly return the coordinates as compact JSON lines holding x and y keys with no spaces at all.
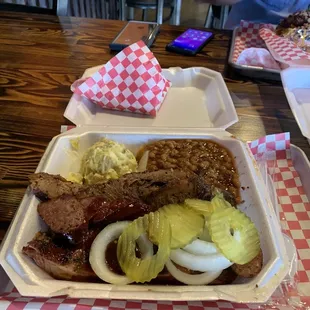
{"x":296,"y":84}
{"x":198,"y":106}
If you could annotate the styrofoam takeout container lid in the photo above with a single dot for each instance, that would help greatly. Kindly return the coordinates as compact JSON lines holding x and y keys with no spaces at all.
{"x":194,"y":91}
{"x":296,"y":84}
{"x":198,"y":98}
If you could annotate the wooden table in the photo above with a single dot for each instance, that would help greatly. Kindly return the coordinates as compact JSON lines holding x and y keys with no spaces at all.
{"x":40,"y":56}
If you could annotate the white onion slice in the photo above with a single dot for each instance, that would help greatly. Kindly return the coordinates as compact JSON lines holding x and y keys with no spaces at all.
{"x":143,"y":162}
{"x":191,"y":279}
{"x":97,"y":256}
{"x":211,"y":262}
{"x":200,"y":247}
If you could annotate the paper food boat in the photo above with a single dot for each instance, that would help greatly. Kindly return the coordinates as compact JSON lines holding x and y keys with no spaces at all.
{"x":197,"y":106}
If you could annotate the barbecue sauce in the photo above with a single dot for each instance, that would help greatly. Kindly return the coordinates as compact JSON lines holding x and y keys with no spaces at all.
{"x":111,"y":257}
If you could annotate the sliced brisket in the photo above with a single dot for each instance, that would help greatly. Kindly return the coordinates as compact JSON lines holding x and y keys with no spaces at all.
{"x":47,"y":186}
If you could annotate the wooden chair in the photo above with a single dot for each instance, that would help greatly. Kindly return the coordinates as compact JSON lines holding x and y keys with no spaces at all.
{"x":174,"y":5}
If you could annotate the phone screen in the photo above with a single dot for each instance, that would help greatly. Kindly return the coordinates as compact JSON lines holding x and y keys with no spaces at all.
{"x":134,"y":32}
{"x":191,"y":39}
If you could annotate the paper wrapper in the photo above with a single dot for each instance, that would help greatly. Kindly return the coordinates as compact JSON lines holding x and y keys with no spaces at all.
{"x":131,"y":81}
{"x":294,"y":210}
{"x":282,"y":49}
{"x":257,"y":57}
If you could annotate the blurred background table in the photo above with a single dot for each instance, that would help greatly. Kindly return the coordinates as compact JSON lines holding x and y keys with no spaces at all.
{"x":42,"y":55}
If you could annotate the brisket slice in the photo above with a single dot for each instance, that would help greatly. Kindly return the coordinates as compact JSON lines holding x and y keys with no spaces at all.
{"x":156,"y":187}
{"x":64,"y":214}
{"x":47,"y":186}
{"x":126,"y":198}
{"x":133,"y":185}
{"x":71,"y":218}
{"x":61,"y":263}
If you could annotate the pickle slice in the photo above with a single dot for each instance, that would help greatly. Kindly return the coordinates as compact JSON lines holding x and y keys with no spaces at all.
{"x":186,"y":224}
{"x":201,"y":206}
{"x":234,"y":234}
{"x":206,"y":208}
{"x":205,"y":235}
{"x":157,"y":228}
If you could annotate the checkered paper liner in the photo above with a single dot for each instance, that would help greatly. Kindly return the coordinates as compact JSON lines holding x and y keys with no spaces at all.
{"x":295,"y":220}
{"x":256,"y":35}
{"x":282,"y":49}
{"x":247,"y":36}
{"x":131,"y":81}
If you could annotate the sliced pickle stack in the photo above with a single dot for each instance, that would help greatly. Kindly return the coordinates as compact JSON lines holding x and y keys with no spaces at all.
{"x":186,"y":224}
{"x":157,"y":228}
{"x":177,"y":230}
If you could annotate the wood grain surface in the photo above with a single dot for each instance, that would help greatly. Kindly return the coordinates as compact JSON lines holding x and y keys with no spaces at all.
{"x":40,"y":56}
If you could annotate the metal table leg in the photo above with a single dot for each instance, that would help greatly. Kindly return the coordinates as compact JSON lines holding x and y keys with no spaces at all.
{"x":62,"y":7}
{"x":176,"y":12}
{"x":131,"y":13}
{"x":209,"y":17}
{"x":224,"y":15}
{"x":160,"y":10}
{"x":123,"y":9}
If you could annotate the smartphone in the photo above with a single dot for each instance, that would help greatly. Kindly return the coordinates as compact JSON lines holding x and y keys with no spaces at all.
{"x":190,"y":42}
{"x":133,"y":32}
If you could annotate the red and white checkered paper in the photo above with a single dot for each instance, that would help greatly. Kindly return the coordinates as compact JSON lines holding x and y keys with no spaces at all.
{"x":282,"y":49}
{"x":131,"y":81}
{"x":257,"y":35}
{"x":295,"y":220}
{"x":247,"y":36}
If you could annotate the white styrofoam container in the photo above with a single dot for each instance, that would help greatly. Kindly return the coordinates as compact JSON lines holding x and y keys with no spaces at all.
{"x":296,"y":84}
{"x":206,"y":93}
{"x":198,"y":98}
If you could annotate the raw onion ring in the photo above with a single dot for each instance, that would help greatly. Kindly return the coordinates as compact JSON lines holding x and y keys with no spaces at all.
{"x":202,"y":263}
{"x":97,"y":256}
{"x":200,"y":247}
{"x":191,"y":279}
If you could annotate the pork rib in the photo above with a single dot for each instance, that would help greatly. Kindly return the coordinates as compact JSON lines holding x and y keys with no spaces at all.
{"x":61,"y":263}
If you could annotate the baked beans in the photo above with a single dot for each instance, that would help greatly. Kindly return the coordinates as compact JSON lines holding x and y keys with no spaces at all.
{"x":204,"y":157}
